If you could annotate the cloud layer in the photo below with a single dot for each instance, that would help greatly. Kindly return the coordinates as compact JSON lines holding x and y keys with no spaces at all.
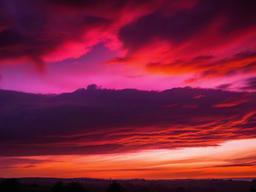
{"x":55,"y":30}
{"x":109,"y":121}
{"x":207,"y":39}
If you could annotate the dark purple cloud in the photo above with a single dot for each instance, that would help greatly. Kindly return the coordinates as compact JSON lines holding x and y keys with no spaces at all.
{"x":108,"y":121}
{"x":184,"y":24}
{"x":42,"y":30}
{"x":224,"y":86}
{"x":250,"y":84}
{"x":31,"y":30}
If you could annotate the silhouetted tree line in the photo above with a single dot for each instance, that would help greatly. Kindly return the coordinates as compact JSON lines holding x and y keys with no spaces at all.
{"x":8,"y":185}
{"x":71,"y":187}
{"x":13,"y":185}
{"x":253,"y":188}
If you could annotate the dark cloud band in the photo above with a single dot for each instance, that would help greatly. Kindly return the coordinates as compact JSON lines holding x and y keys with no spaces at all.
{"x":108,"y":121}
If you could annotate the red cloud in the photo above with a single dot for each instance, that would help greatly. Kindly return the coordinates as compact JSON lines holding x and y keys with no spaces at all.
{"x":178,"y":37}
{"x":54,"y":30}
{"x":205,"y":39}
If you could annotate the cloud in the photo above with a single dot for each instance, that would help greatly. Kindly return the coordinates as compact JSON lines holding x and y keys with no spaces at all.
{"x":250,"y":84}
{"x":21,"y":162}
{"x":113,"y":121}
{"x":211,"y":38}
{"x":185,"y":24}
{"x":178,"y":37}
{"x":54,"y":30}
{"x":225,"y":86}
{"x":32,"y":32}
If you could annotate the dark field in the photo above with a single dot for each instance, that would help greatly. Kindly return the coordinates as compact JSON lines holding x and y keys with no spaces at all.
{"x":136,"y":185}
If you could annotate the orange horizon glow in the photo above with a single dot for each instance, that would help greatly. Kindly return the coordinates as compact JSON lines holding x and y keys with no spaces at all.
{"x":231,"y":159}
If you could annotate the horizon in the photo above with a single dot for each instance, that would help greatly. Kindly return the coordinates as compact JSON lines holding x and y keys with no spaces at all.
{"x":125,"y":179}
{"x":99,"y":87}
{"x":128,"y":89}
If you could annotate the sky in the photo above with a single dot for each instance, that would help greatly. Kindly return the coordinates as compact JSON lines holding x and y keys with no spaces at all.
{"x":174,"y":93}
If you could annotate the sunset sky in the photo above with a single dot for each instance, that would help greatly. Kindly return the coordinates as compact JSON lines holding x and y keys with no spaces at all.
{"x":175,"y":94}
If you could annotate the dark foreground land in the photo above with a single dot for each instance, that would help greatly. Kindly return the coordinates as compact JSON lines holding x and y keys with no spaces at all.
{"x":137,"y":185}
